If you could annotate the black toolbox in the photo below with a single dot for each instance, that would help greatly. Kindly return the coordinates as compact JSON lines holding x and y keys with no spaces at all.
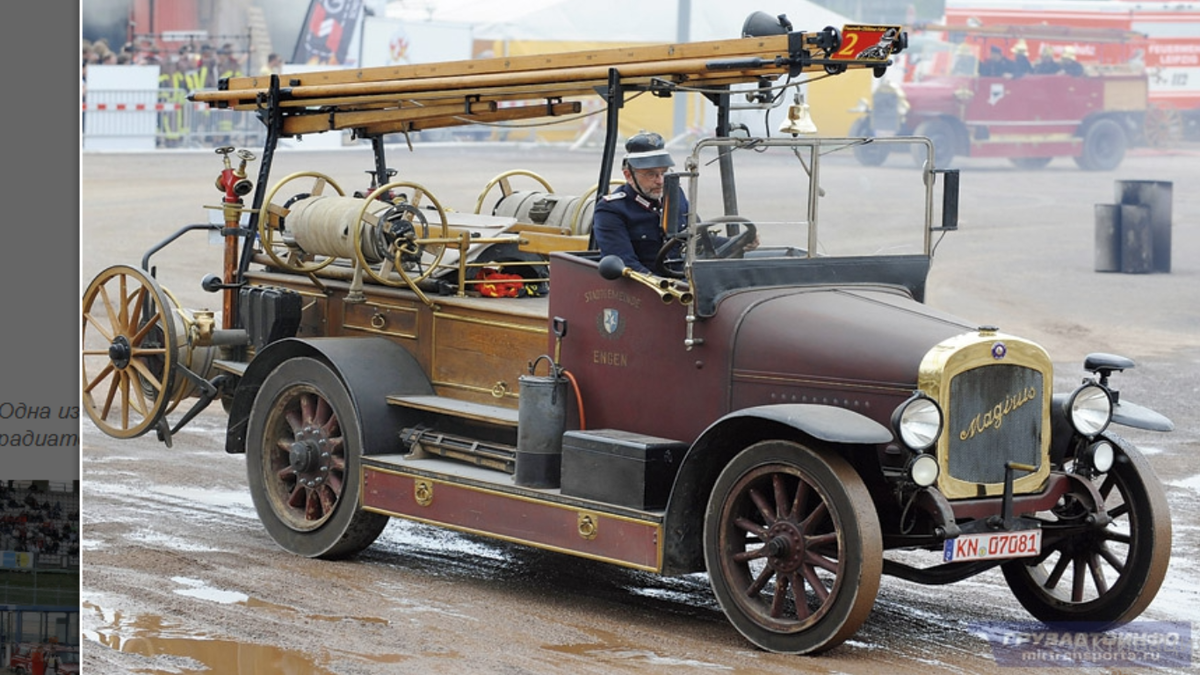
{"x":620,"y":467}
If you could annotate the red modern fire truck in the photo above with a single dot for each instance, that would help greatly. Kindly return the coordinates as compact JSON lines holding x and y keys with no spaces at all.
{"x":948,"y":95}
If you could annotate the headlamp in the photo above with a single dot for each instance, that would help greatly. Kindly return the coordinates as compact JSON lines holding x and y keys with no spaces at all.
{"x":1089,"y":409}
{"x":918,"y":422}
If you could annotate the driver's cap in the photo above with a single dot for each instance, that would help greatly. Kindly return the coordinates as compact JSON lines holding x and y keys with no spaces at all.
{"x":646,"y":150}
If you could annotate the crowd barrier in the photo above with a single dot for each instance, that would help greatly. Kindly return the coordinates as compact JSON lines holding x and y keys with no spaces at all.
{"x":133,"y":119}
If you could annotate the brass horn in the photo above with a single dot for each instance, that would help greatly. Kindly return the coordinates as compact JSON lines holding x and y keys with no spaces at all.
{"x":659,"y":284}
{"x":612,"y":268}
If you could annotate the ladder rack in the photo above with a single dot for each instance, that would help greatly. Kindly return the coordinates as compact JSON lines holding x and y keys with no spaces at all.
{"x":390,"y":99}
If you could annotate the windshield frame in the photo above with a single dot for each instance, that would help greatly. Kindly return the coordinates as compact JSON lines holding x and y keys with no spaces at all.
{"x":804,"y":265}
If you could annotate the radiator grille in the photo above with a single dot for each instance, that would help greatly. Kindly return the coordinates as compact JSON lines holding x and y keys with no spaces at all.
{"x":995,"y":417}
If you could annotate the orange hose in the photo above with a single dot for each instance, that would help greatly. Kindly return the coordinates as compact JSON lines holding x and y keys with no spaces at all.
{"x":578,"y":397}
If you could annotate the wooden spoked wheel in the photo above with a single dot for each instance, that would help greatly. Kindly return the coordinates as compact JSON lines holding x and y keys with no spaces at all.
{"x":304,"y":446}
{"x":1163,"y":126}
{"x":133,"y":337}
{"x":272,"y":220}
{"x":398,"y":235}
{"x":1100,"y":575}
{"x":793,"y":547}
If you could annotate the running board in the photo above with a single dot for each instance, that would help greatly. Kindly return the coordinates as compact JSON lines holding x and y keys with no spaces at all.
{"x":477,"y":501}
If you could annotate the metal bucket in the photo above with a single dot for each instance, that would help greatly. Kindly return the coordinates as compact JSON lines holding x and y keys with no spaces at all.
{"x":541,"y":422}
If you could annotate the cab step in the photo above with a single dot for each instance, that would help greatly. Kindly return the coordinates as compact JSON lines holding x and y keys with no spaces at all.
{"x":442,"y":405}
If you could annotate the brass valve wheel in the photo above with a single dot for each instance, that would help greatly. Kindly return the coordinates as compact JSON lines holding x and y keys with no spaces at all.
{"x":410,"y":239}
{"x":504,"y":181}
{"x":272,"y":222}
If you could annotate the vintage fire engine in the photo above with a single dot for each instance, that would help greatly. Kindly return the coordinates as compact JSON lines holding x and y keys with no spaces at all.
{"x":1167,"y":47}
{"x":784,"y":416}
{"x":1029,"y":119}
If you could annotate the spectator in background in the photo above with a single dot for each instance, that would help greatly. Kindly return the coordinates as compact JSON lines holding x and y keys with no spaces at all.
{"x":1046,"y":65}
{"x":996,"y":65}
{"x":1020,"y":61}
{"x":209,"y":68}
{"x":1069,"y":65}
{"x":229,"y":64}
{"x":964,"y":60}
{"x":273,"y":66}
{"x":53,"y":662}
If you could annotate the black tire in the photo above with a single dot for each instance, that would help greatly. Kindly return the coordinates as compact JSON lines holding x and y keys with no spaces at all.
{"x":303,"y":457}
{"x":783,"y":516}
{"x":1129,"y":555}
{"x":1104,"y":146}
{"x":941,"y":134}
{"x":1030,"y":163}
{"x":868,"y":153}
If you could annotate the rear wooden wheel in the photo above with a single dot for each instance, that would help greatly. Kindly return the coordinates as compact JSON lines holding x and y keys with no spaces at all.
{"x":303,"y":458}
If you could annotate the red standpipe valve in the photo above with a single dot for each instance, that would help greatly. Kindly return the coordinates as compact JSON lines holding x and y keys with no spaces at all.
{"x":233,"y":182}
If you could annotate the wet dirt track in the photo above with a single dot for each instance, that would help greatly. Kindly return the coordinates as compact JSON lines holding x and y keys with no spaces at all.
{"x":179,"y":577}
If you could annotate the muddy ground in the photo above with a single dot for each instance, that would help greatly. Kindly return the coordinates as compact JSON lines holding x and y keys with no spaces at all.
{"x":179,"y":576}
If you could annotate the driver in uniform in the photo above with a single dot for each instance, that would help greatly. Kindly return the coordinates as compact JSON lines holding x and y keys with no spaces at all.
{"x":627,"y":222}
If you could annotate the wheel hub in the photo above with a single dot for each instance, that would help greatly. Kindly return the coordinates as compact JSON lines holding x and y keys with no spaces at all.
{"x":120,"y":352}
{"x":309,"y":457}
{"x":785,"y":547}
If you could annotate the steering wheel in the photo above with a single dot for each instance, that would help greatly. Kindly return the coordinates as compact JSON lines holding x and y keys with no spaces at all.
{"x":735,"y":246}
{"x":670,"y":259}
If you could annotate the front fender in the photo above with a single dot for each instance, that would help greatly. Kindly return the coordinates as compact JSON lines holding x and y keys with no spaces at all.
{"x":371,"y":368}
{"x":824,"y":425}
{"x":823,"y":422}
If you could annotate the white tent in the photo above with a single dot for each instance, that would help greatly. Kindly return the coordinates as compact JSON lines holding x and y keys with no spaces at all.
{"x":651,"y":20}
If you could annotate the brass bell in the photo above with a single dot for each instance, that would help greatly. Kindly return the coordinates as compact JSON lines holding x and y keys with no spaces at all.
{"x":798,"y":121}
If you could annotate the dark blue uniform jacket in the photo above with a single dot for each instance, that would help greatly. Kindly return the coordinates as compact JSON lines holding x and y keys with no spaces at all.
{"x":629,"y":225}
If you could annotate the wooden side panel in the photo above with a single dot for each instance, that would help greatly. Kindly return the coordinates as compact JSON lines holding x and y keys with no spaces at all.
{"x":479,"y":356}
{"x":389,"y":319}
{"x":514,"y":517}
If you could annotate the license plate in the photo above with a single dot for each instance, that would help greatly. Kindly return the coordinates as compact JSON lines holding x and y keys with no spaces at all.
{"x":992,"y":545}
